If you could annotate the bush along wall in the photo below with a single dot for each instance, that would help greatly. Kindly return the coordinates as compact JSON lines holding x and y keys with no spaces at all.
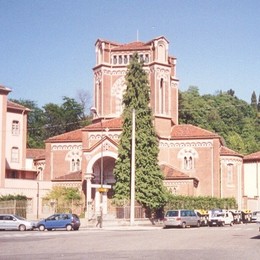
{"x":206,"y":203}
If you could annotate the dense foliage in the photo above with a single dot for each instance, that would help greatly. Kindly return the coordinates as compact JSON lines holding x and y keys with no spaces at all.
{"x":52,"y":120}
{"x":235,"y":120}
{"x":150,"y":191}
{"x":206,"y":203}
{"x":12,"y":197}
{"x":59,"y":193}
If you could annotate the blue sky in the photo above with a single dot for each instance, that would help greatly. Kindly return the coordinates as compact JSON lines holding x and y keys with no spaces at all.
{"x":47,"y":46}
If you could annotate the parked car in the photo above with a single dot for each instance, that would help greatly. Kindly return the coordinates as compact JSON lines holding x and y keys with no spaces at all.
{"x":181,"y":218}
{"x":66,"y":221}
{"x":254,"y":215}
{"x":203,"y":215}
{"x":219,"y":217}
{"x":15,"y":222}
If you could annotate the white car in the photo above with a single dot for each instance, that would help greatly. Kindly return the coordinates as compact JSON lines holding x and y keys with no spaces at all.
{"x":220,"y":218}
{"x":14,"y":222}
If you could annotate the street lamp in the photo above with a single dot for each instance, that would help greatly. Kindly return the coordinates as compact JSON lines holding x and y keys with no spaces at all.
{"x":132,"y":205}
{"x":94,"y":111}
{"x":101,"y":189}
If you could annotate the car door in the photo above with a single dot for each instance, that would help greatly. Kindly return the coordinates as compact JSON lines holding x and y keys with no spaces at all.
{"x":10,"y":222}
{"x":52,"y":221}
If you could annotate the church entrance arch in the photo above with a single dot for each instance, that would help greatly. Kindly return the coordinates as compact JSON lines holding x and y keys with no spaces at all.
{"x":101,"y":185}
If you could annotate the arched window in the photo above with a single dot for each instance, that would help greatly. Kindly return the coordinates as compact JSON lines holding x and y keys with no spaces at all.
{"x":78,"y":165}
{"x":161,"y":95}
{"x":73,"y":165}
{"x":161,"y":53}
{"x":187,"y":157}
{"x":74,"y":159}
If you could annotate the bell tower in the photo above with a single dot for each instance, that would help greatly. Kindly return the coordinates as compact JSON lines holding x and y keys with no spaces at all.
{"x":112,"y":60}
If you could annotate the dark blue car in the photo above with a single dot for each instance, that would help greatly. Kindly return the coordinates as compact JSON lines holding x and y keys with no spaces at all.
{"x":66,"y":221}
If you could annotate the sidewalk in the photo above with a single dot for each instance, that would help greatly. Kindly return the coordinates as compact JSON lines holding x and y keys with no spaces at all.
{"x":121,"y":225}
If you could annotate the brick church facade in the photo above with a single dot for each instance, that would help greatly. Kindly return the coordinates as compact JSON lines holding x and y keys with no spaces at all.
{"x":194,"y":161}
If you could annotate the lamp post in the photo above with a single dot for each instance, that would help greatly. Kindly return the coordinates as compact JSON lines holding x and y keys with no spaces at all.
{"x":132,"y":205}
{"x":101,"y":189}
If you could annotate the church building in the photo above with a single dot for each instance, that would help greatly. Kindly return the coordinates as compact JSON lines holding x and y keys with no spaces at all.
{"x":194,"y":161}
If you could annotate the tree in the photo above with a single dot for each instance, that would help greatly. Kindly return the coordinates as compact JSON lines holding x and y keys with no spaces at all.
{"x":254,"y":101}
{"x":65,"y":118}
{"x":84,"y":99}
{"x":258,"y":104}
{"x":231,"y":92}
{"x":35,"y":122}
{"x":150,"y":191}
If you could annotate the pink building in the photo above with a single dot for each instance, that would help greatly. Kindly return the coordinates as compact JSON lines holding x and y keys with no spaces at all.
{"x":18,"y":174}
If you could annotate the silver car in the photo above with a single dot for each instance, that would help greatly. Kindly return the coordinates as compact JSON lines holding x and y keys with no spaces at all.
{"x":181,"y":218}
{"x":14,"y":222}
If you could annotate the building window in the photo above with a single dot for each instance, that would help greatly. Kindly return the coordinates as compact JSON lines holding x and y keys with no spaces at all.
{"x":114,"y":60}
{"x":120,"y":59}
{"x":141,"y":57}
{"x":74,"y":158}
{"x":15,"y":127}
{"x":72,"y":165}
{"x":230,"y":173}
{"x":161,"y":96}
{"x":125,"y":59}
{"x":146,"y":60}
{"x":15,"y":154}
{"x":78,"y":164}
{"x":187,"y":157}
{"x":188,"y":163}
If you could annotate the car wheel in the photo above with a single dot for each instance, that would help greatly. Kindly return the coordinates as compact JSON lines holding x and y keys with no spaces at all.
{"x":22,"y":228}
{"x":41,"y":227}
{"x":183,"y":225}
{"x":68,"y":227}
{"x":165,"y":226}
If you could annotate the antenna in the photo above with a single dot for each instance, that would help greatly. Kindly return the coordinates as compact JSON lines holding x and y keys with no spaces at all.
{"x":137,"y":35}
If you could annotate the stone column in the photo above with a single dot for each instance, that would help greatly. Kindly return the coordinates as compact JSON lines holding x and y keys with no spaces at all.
{"x":88,"y":212}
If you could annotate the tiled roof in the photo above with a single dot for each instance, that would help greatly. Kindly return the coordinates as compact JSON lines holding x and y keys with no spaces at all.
{"x":136,"y":45}
{"x":72,"y":136}
{"x":252,"y":157}
{"x":171,"y":173}
{"x":72,"y":176}
{"x":132,"y":46}
{"x":226,"y":151}
{"x":35,"y":153}
{"x":11,"y":104}
{"x":190,"y":132}
{"x":5,"y":89}
{"x":115,"y":123}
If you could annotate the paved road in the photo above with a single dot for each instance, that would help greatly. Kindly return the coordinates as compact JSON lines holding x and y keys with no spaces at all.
{"x":237,"y":242}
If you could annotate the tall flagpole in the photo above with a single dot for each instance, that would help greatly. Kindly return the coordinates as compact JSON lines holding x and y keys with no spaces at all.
{"x":132,"y":210}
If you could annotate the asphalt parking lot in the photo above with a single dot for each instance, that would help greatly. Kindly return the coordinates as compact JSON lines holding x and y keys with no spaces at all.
{"x":139,"y":242}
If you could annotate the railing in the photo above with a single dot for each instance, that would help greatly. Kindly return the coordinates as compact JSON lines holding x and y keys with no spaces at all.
{"x":17,"y":207}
